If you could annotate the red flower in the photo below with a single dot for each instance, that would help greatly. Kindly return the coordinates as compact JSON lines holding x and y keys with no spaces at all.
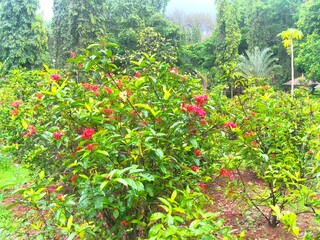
{"x":51,"y":190}
{"x":195,"y":168}
{"x":203,"y":187}
{"x":197,"y":152}
{"x":87,"y":86}
{"x":189,"y":108}
{"x":39,"y":95}
{"x":91,"y":147}
{"x":199,"y":111}
{"x":253,"y":114}
{"x":15,"y":112}
{"x":108,"y":111}
{"x":16,"y":104}
{"x":57,"y":135}
{"x":137,"y":74}
{"x":254,"y":144}
{"x":72,"y":54}
{"x":60,"y":197}
{"x":124,"y":223}
{"x":174,"y":70}
{"x":87,"y":133}
{"x":108,"y":90}
{"x":79,"y":149}
{"x":55,"y":77}
{"x":73,"y":178}
{"x":31,"y":131}
{"x":230,"y":124}
{"x":226,"y":173}
{"x":248,"y":134}
{"x":204,"y":122}
{"x":109,"y":75}
{"x":201,"y":99}
{"x":95,"y":87}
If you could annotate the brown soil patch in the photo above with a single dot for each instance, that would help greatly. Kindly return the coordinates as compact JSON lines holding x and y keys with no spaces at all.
{"x":241,"y":217}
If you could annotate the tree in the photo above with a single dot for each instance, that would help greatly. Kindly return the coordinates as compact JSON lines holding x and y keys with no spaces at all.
{"x":309,"y":58}
{"x":287,"y":39}
{"x":309,"y":17}
{"x":258,"y":64}
{"x":60,"y":47}
{"x":228,"y":40}
{"x":76,"y":24}
{"x":23,"y":40}
{"x":228,"y":32}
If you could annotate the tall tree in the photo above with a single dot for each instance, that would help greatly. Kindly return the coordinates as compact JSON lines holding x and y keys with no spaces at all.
{"x":75,"y":25}
{"x":287,"y":38}
{"x":309,"y":17}
{"x":228,"y":40}
{"x":23,"y":40}
{"x":228,"y":32}
{"x":60,"y":47}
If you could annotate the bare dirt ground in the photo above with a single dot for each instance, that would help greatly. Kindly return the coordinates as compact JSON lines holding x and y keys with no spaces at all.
{"x":241,"y":217}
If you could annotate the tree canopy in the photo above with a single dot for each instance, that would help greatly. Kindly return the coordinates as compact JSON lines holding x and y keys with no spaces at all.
{"x":23,"y":40}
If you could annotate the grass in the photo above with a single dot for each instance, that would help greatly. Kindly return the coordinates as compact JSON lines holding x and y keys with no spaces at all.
{"x":11,"y":176}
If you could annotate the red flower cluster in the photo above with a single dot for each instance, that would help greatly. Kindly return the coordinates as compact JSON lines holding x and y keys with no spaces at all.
{"x":137,"y":74}
{"x":73,"y":178}
{"x":55,"y":77}
{"x":15,"y":112}
{"x":57,"y":135}
{"x":87,"y":133}
{"x":39,"y":95}
{"x":203,"y":122}
{"x":226,"y":173}
{"x":107,"y":89}
{"x":230,"y":124}
{"x":248,"y":134}
{"x":197,"y":152}
{"x":92,"y":87}
{"x":108,"y":111}
{"x":16,"y":104}
{"x":72,"y":54}
{"x":31,"y":130}
{"x":174,"y":70}
{"x":203,"y":187}
{"x":195,"y":168}
{"x":255,"y":144}
{"x":201,"y":99}
{"x":91,"y":146}
{"x":124,"y":223}
{"x":193,"y":109}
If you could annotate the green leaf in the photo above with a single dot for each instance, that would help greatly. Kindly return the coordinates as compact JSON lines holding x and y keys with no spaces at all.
{"x":116,"y":213}
{"x":70,"y":221}
{"x":154,"y":230}
{"x":121,"y":180}
{"x":156,"y":216}
{"x":159,"y":153}
{"x":173,"y":195}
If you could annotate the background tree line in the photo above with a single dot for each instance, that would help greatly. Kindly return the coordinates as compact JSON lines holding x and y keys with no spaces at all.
{"x":217,"y":51}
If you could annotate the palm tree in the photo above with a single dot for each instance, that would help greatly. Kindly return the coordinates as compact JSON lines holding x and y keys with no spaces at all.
{"x":258,"y":64}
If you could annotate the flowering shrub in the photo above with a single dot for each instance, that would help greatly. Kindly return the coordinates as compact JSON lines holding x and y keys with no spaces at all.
{"x":114,"y":143}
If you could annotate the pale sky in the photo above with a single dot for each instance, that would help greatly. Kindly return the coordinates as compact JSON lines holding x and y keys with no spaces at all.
{"x":206,"y":6}
{"x":46,"y":9}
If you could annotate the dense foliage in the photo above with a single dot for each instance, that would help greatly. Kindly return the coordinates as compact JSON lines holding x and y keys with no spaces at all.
{"x":23,"y":40}
{"x":131,"y":154}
